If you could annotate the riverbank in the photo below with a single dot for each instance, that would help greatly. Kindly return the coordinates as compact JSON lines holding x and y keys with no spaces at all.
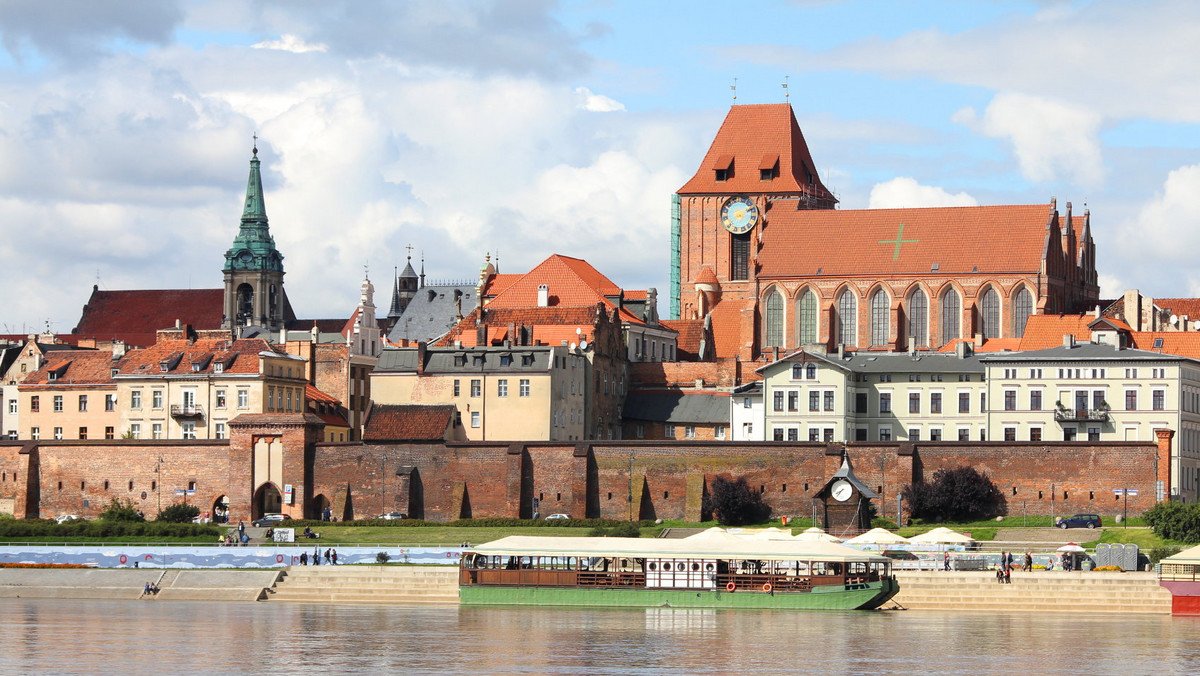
{"x":1094,"y":592}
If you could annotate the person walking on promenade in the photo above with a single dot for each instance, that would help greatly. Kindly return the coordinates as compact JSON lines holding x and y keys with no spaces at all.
{"x":316,"y":558}
{"x":304,"y":558}
{"x":946,"y":560}
{"x":334,"y":557}
{"x":1028,"y":567}
{"x":328,"y":559}
{"x":241,"y":529}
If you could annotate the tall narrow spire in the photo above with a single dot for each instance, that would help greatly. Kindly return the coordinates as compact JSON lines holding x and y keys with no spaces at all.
{"x":254,"y":247}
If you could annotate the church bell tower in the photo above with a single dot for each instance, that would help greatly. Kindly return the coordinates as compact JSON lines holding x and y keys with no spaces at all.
{"x":254,"y":295}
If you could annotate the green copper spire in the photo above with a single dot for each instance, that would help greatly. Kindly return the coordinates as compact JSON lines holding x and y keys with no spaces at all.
{"x":254,"y":248}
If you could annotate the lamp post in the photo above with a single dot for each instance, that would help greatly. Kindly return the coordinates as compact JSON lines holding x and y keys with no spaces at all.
{"x":899,"y":510}
{"x":158,"y":484}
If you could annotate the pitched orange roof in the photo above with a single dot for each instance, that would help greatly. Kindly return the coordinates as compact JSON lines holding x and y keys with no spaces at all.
{"x":311,"y":393}
{"x":1179,"y":343}
{"x":944,"y":240}
{"x":1043,"y":332}
{"x":551,"y":325}
{"x":135,"y":316}
{"x":691,"y":332}
{"x":572,"y":281}
{"x":393,"y":422}
{"x":727,"y":329}
{"x":707,"y":276}
{"x":73,"y":367}
{"x":237,"y":356}
{"x":1180,"y":307}
{"x":753,"y":138}
{"x":498,"y":283}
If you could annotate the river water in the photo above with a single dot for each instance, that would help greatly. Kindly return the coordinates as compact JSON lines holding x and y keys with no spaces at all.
{"x":123,"y":637}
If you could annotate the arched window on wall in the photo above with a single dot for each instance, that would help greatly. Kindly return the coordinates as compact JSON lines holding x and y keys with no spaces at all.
{"x":880,"y":310}
{"x":989,"y":314}
{"x":918,"y":318}
{"x":847,"y":307}
{"x":773,"y":319}
{"x":1022,"y":308}
{"x":950,"y":316}
{"x":806,"y":318}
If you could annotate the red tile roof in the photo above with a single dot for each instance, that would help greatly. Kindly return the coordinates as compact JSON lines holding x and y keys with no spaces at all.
{"x":551,"y":325}
{"x":1180,"y":307}
{"x":390,"y":422}
{"x":706,"y":276}
{"x":874,"y":242}
{"x":1043,"y":332}
{"x":498,"y":283}
{"x":73,"y":367}
{"x":1180,"y":343}
{"x":750,"y":137}
{"x":572,"y":282}
{"x":691,"y":332}
{"x":727,"y":328}
{"x":239,"y":356}
{"x":135,"y":316}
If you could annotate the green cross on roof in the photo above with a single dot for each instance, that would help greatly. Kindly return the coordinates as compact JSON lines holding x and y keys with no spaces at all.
{"x":898,"y":241}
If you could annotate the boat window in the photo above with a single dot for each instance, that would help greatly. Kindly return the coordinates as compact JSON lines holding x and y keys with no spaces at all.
{"x":708,"y":566}
{"x":695,"y":566}
{"x":667,"y":566}
{"x":653,"y":566}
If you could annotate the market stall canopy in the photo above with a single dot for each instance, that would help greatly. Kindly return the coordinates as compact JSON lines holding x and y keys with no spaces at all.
{"x":878,"y":536}
{"x":942,"y":536}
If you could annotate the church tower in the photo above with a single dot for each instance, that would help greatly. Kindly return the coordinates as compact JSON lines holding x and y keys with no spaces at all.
{"x":403,"y":290}
{"x":253,"y":271}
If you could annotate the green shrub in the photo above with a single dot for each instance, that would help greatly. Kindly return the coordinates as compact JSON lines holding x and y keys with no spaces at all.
{"x":959,"y":494}
{"x":1157,"y":554}
{"x":733,"y":503}
{"x":121,"y":511}
{"x":34,"y":528}
{"x":178,"y":513}
{"x":1175,"y":521}
{"x":382,"y":557}
{"x":880,"y":522}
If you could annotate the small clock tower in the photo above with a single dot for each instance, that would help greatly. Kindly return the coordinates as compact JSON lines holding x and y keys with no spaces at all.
{"x":843,"y":505}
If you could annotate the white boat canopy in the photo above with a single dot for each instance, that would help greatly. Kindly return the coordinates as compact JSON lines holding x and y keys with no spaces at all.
{"x":1187,"y":556}
{"x":527,"y":545}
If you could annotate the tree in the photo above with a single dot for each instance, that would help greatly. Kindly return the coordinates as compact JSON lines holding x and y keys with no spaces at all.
{"x":1175,"y":521}
{"x":178,"y":513}
{"x":118,"y":510}
{"x":733,"y":503}
{"x":959,"y":494}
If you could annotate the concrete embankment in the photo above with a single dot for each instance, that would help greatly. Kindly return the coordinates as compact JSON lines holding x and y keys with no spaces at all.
{"x":1096,"y":592}
{"x":367,"y":584}
{"x":174,"y":585}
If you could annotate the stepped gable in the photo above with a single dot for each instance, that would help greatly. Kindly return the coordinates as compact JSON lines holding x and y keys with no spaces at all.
{"x":394,"y":422}
{"x":135,"y":316}
{"x":753,"y":139}
{"x":945,"y":241}
{"x":72,"y":366}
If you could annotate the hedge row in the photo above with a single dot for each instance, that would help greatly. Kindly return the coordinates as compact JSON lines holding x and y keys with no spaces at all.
{"x":32,"y":528}
{"x":464,"y":523}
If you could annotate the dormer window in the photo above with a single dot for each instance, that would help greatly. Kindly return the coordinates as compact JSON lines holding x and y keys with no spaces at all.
{"x":506,"y":360}
{"x":195,"y":367}
{"x":768,"y":168}
{"x":219,"y":367}
{"x":460,"y":360}
{"x":723,"y":168}
{"x":478,"y":360}
{"x":163,"y":367}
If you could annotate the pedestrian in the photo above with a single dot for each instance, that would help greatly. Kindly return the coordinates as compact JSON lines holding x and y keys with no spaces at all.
{"x":304,"y":558}
{"x":946,"y":560}
{"x":335,"y":557}
{"x":241,"y":529}
{"x":1028,"y":567}
{"x":328,"y":560}
{"x":316,"y":557}
{"x":1008,"y":565}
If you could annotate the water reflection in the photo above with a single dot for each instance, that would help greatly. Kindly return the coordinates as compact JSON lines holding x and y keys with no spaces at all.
{"x":266,"y":638}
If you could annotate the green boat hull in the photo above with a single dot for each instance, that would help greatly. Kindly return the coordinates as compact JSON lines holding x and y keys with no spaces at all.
{"x":850,"y":597}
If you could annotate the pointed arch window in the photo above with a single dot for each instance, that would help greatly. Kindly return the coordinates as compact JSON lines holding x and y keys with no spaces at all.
{"x":880,"y":310}
{"x":806,"y":318}
{"x":1022,"y":308}
{"x":918,"y":318}
{"x":989,"y":314}
{"x":773,"y":319}
{"x":847,"y":306}
{"x":951,"y":316}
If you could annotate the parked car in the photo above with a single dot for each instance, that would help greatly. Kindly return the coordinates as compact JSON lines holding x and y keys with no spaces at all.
{"x":558,"y":516}
{"x":1081,"y":521}
{"x":269,"y":520}
{"x":392,"y":516}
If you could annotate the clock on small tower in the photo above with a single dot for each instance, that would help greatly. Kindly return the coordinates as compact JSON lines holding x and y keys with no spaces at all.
{"x":843,"y":505}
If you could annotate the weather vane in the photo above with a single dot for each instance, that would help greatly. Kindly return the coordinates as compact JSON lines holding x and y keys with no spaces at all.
{"x":786,"y":93}
{"x":734,"y":88}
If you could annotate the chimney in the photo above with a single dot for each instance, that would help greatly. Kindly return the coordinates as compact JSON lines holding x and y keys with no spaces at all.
{"x":118,"y":348}
{"x":421,"y":357}
{"x":543,"y":295}
{"x":1068,"y":340}
{"x":962,"y":349}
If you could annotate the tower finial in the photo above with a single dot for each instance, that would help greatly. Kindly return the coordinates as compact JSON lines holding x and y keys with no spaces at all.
{"x":734,"y":88}
{"x":255,"y":144}
{"x":410,"y":248}
{"x":786,"y":93}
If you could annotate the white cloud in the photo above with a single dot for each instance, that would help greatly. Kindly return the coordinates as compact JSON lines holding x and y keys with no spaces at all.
{"x":1052,"y":140}
{"x":596,"y":103}
{"x":1164,"y":237}
{"x":904,"y":192}
{"x":291,"y":43}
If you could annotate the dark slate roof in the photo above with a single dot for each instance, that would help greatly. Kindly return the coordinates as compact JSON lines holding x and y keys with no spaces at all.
{"x":389,"y":422}
{"x":432,"y":312}
{"x":677,"y":407}
{"x":846,"y":471}
{"x":136,"y":316}
{"x":1085,"y":352}
{"x":475,"y":360}
{"x":891,"y":362}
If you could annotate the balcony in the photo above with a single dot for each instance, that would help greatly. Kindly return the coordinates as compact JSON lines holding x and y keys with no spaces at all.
{"x":193,"y":411}
{"x":1064,"y":414}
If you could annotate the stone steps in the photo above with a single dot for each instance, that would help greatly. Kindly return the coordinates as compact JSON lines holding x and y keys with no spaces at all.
{"x":368,"y":584}
{"x":1040,"y":591}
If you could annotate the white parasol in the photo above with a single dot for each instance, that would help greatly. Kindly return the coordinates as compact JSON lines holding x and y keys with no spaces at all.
{"x":1071,"y":547}
{"x":878,"y":536}
{"x":941,"y":536}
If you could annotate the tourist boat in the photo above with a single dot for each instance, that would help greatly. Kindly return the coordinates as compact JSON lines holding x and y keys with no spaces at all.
{"x":684,"y":573}
{"x":1180,"y":574}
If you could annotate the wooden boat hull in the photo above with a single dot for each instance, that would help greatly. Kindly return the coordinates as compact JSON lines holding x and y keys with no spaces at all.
{"x":862,"y":596}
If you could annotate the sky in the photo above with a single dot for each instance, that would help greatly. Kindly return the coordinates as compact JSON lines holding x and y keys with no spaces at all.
{"x":525,"y":128}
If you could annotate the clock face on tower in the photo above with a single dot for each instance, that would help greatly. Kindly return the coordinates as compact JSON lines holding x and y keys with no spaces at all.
{"x":739,"y":215}
{"x":842,"y":490}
